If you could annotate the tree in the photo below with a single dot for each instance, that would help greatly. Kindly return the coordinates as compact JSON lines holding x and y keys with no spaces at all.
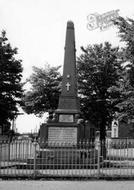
{"x":10,"y":83}
{"x":126,"y":33}
{"x":45,"y":89}
{"x":99,"y":68}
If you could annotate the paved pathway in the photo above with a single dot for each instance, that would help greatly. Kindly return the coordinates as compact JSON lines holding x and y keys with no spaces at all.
{"x":66,"y":185}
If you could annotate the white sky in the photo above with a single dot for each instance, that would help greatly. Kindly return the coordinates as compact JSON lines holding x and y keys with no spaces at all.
{"x":37,"y":28}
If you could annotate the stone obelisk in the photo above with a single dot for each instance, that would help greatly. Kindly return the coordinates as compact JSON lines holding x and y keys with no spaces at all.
{"x":64,"y":127}
{"x":68,"y":101}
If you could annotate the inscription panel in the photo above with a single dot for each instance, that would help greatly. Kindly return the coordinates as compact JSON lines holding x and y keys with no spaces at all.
{"x":62,"y":135}
{"x":65,"y":118}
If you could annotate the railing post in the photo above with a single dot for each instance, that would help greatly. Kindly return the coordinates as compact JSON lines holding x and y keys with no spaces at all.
{"x":9,"y":150}
{"x":35,"y":148}
{"x":0,"y":155}
{"x":98,"y":160}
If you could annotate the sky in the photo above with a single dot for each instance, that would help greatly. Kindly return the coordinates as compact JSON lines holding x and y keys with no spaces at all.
{"x":37,"y":28}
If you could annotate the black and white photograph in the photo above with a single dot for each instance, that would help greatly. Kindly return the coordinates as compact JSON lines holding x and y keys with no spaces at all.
{"x":66,"y":94}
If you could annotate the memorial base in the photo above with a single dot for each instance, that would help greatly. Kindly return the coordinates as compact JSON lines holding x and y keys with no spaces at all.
{"x":64,"y":159}
{"x":60,"y":134}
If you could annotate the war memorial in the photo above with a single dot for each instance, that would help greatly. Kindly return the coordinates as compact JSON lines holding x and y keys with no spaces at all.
{"x":65,"y":126}
{"x":60,"y":136}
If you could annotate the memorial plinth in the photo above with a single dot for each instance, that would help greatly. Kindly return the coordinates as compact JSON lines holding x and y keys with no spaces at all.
{"x":64,"y":127}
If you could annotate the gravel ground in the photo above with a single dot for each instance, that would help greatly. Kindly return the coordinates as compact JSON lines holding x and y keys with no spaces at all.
{"x":66,"y":185}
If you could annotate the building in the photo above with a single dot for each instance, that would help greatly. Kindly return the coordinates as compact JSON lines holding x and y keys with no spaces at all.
{"x":122,"y":129}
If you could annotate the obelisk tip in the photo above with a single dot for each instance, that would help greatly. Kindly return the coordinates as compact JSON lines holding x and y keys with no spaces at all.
{"x":70,"y":24}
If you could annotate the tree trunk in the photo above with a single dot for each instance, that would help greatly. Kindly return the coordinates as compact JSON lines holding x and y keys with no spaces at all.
{"x":103,"y":138}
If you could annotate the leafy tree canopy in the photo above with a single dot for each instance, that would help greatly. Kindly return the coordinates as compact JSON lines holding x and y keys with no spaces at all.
{"x":99,"y":68}
{"x":44,"y":93}
{"x":10,"y":82}
{"x":126,"y":33}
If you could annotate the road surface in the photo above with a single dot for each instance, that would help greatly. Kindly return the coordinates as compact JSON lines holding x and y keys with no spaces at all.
{"x":66,"y":185}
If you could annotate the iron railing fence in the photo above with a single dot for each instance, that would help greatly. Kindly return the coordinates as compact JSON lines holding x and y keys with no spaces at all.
{"x":58,"y":159}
